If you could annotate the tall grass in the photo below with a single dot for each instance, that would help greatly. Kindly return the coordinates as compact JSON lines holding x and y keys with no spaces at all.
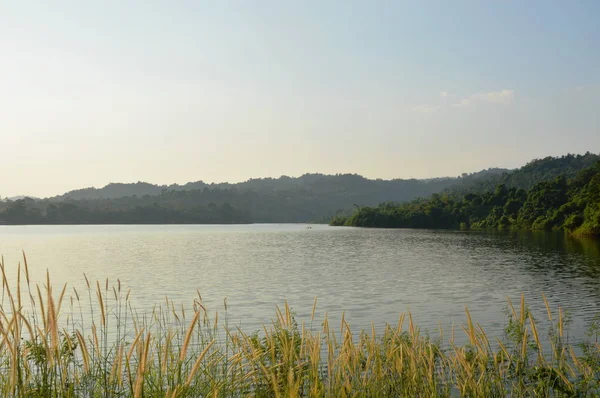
{"x":50,"y":348}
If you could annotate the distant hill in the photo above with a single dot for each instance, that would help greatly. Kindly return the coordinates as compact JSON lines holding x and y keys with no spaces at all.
{"x":310,"y":197}
{"x":355,"y":185}
{"x":549,"y":168}
{"x":20,"y":197}
{"x":569,"y":202}
{"x":119,"y":190}
{"x":534,"y":172}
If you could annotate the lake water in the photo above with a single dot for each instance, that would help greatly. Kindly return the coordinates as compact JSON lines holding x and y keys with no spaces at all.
{"x":371,"y":274}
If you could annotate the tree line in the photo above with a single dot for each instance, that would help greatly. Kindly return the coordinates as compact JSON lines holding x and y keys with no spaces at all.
{"x":309,"y":198}
{"x":28,"y":211}
{"x":562,"y":203}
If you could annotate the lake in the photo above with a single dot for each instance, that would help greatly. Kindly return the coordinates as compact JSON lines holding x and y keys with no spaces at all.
{"x":371,"y":274}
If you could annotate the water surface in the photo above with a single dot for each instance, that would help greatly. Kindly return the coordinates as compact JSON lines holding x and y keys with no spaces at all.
{"x":371,"y":274}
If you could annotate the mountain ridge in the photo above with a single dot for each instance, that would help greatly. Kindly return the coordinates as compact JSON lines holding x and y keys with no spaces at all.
{"x":116,"y":190}
{"x":309,"y":198}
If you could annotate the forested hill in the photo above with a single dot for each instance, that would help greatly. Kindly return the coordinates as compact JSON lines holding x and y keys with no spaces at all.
{"x":309,"y":198}
{"x":562,"y":203}
{"x":534,"y":172}
{"x":363,"y":190}
{"x":119,"y":190}
{"x":312,"y":197}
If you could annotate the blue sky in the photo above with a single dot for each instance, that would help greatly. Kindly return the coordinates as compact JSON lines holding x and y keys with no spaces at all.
{"x":99,"y":92}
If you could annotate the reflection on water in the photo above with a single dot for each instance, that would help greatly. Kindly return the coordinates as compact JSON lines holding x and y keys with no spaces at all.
{"x":372,"y":275}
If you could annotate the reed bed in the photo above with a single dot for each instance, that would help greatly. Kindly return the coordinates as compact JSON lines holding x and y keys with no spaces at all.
{"x":49,"y":348}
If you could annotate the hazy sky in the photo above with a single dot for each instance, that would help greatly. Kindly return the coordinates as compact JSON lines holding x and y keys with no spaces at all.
{"x":176,"y":91}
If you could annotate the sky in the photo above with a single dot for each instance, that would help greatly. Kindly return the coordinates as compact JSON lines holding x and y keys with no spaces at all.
{"x":175,"y":91}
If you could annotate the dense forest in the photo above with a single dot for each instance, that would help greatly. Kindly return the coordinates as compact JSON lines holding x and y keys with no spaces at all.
{"x":568,"y":201}
{"x":361,"y":189}
{"x":29,"y":211}
{"x":309,"y":198}
{"x":526,"y":177}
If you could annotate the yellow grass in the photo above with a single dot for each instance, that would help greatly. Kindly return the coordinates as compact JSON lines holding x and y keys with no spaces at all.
{"x":125,"y":354}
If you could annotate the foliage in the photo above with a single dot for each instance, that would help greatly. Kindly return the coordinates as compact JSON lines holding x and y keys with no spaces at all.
{"x":559,"y":204}
{"x":120,"y":211}
{"x":312,"y":197}
{"x":534,"y":172}
{"x":308,"y":198}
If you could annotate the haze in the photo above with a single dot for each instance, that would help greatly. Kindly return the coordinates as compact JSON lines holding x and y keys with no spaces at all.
{"x":168,"y":92}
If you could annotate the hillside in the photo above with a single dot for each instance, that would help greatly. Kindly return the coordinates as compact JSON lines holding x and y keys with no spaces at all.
{"x":565,"y":202}
{"x":532,"y":173}
{"x":119,"y":190}
{"x":308,"y":198}
{"x":354,"y":185}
